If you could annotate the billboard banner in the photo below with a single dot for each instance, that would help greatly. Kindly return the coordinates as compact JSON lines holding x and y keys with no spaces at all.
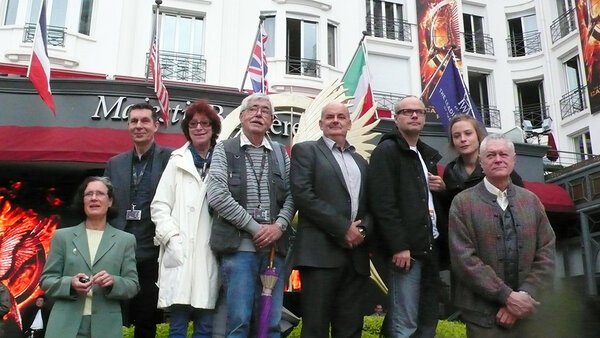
{"x":438,"y":29}
{"x":588,"y":18}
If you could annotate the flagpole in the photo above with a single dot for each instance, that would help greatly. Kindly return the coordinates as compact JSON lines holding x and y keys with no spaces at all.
{"x":463,"y":85}
{"x":154,"y":32}
{"x":262,"y":18}
{"x":155,"y":36}
{"x":360,"y":45}
{"x":444,"y":62}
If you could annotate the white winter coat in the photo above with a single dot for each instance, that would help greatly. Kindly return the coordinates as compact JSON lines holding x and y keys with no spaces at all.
{"x":180,"y":207}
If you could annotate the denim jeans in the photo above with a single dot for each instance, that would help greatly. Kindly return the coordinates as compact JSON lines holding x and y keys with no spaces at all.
{"x":180,"y":317}
{"x":241,"y":281}
{"x":414,"y":299}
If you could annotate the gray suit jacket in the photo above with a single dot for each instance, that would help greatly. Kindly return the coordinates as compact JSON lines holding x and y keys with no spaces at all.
{"x":70,"y":255}
{"x":324,"y":210}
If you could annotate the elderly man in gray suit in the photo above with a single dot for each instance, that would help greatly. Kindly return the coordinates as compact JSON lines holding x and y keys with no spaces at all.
{"x":135,"y":175}
{"x":328,"y":185}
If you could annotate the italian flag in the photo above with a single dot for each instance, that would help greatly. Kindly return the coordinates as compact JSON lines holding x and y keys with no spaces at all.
{"x":357,"y":81}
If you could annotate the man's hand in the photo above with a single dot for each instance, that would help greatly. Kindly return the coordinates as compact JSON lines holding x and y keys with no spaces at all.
{"x":267,"y":235}
{"x":353,"y":237}
{"x":402,"y":259}
{"x":80,"y":287}
{"x":103,"y":279}
{"x":436,"y":183}
{"x":505,"y":318}
{"x":520,"y":304}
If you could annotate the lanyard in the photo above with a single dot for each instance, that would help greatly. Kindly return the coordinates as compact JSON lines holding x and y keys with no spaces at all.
{"x":262,"y":171}
{"x":204,"y":165}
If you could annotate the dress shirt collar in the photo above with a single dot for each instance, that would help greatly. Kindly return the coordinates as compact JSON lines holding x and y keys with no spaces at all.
{"x":331,"y":144}
{"x":244,"y":141}
{"x":502,"y":197}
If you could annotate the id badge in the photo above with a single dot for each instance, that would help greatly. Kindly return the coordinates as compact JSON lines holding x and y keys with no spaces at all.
{"x":261,"y":215}
{"x":133,"y":214}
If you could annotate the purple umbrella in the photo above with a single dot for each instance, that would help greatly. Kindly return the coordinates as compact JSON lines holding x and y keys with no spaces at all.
{"x":268,"y":279}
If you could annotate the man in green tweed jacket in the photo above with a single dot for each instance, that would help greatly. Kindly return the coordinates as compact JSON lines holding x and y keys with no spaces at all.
{"x":502,"y":248}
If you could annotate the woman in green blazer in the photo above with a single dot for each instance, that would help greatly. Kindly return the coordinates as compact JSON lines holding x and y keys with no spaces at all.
{"x":90,"y":268}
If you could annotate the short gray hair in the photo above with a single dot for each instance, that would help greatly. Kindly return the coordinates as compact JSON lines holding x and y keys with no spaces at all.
{"x":496,"y":137}
{"x":254,"y":97}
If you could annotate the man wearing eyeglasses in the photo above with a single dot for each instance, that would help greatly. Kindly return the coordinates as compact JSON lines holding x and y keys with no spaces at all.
{"x":135,"y":175}
{"x":249,"y":191}
{"x":403,"y":185}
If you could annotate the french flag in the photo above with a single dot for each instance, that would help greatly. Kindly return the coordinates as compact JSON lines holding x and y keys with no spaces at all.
{"x":39,"y":67}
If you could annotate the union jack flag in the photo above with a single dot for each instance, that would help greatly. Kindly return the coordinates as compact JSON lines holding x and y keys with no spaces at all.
{"x":159,"y":87}
{"x":258,"y":63}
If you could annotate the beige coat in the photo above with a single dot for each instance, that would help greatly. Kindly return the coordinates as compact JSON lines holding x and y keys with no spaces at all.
{"x":188,"y":273}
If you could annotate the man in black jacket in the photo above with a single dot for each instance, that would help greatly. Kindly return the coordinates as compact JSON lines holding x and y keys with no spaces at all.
{"x":35,"y":318}
{"x":402,"y":187}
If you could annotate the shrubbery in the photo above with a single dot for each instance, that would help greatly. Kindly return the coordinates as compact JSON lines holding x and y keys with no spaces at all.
{"x":371,"y":328}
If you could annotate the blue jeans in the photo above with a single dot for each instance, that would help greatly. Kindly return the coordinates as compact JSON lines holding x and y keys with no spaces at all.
{"x":180,"y":317}
{"x":241,"y":281}
{"x":414,"y":299}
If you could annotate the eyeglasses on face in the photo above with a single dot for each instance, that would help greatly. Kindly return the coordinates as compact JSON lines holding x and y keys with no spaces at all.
{"x":91,"y":194}
{"x":410,"y":112}
{"x":195,"y":124}
{"x":264,"y":110}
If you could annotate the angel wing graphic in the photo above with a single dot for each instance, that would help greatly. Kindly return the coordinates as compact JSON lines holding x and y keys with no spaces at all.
{"x":308,"y":125}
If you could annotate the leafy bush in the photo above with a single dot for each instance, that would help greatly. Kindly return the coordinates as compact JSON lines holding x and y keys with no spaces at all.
{"x":371,"y":328}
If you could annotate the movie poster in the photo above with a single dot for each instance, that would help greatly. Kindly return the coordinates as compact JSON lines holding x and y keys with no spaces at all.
{"x":588,"y":18}
{"x":438,"y":29}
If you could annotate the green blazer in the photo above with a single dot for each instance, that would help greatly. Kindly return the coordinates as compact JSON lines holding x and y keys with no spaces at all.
{"x":69,"y":255}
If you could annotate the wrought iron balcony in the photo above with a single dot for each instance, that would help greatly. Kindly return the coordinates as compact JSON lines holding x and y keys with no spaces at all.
{"x":573,"y":102}
{"x":535,"y":113}
{"x":381,"y":27}
{"x":306,"y":67}
{"x":524,"y":44}
{"x":491,"y":116}
{"x":56,"y":34}
{"x":478,"y":43}
{"x":387,"y":100}
{"x":563,"y":25}
{"x":181,"y":66}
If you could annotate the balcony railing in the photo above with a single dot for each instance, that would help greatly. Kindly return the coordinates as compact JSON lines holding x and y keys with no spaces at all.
{"x":524,"y":44}
{"x":387,"y":100}
{"x":56,"y":34}
{"x":478,"y":43}
{"x":382,"y":27}
{"x":491,"y":116}
{"x":573,"y":102}
{"x":306,"y":67}
{"x":181,"y":66}
{"x":535,"y":113}
{"x":563,"y":25}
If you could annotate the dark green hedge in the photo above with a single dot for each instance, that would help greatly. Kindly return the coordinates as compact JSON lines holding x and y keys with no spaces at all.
{"x":371,"y":329}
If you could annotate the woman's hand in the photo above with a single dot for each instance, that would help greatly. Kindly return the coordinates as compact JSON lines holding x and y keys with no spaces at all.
{"x":79,"y":284}
{"x":103,"y":279}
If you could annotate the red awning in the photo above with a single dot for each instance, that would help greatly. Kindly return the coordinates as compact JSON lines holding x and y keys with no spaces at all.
{"x":553,"y":196}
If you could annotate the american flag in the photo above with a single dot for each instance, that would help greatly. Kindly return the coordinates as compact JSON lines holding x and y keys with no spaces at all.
{"x":258,"y":63}
{"x":159,"y":87}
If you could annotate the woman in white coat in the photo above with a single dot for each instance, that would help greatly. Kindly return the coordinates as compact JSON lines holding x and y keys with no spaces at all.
{"x":188,"y":271}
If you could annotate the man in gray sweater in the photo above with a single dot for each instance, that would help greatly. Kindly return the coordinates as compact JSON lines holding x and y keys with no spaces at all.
{"x":249,"y":192}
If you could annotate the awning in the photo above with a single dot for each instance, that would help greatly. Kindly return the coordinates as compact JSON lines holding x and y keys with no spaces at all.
{"x":553,"y":196}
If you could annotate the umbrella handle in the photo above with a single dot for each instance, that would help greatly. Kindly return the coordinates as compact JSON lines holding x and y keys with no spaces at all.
{"x":272,"y":257}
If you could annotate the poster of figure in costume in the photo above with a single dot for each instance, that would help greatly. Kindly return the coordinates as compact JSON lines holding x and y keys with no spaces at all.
{"x":588,"y":18}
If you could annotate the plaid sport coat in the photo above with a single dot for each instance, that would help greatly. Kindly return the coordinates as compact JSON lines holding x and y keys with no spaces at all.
{"x":477,"y":250}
